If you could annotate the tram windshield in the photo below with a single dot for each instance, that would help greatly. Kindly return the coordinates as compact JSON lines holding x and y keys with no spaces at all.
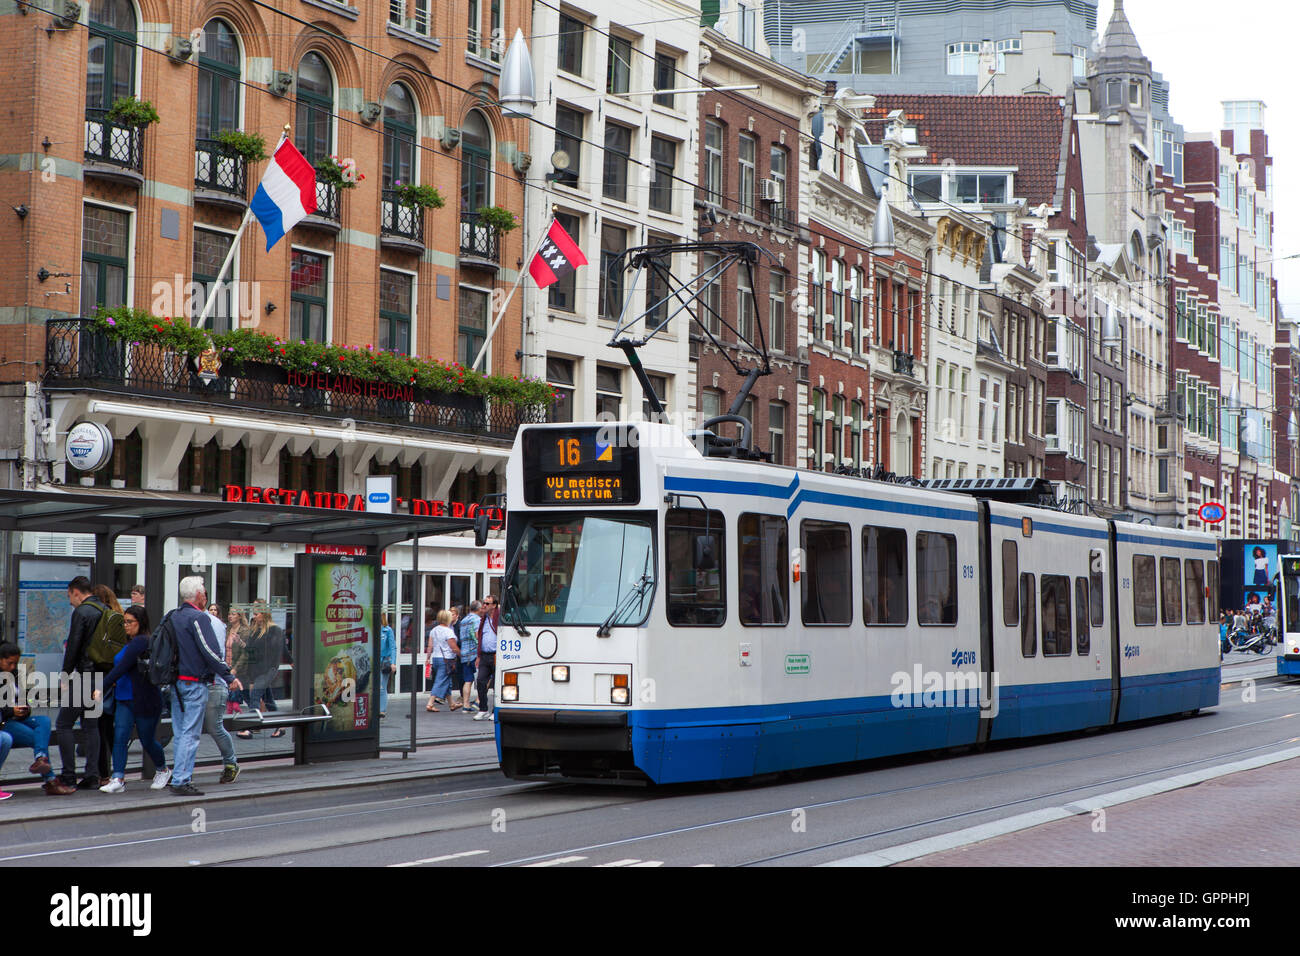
{"x":584,"y":570}
{"x":1291,"y":594}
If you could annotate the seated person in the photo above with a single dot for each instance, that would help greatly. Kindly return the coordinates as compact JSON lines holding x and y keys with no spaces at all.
{"x":17,"y":720}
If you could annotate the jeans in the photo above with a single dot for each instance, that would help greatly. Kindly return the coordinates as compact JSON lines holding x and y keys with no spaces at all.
{"x":189,"y":704}
{"x":124,"y":720}
{"x":214,"y":726}
{"x":6,"y":743}
{"x":63,"y":724}
{"x":383,"y":690}
{"x":31,"y":732}
{"x":487,"y":666}
{"x":444,"y":674}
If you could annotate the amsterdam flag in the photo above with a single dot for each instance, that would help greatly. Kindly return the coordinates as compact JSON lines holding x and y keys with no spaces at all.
{"x":557,"y":256}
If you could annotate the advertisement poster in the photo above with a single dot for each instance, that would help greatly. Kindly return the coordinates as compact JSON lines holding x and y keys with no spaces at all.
{"x":344,"y":642}
{"x":1258,"y":566}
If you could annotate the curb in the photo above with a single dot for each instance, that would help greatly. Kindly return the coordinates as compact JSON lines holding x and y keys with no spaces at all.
{"x":1024,"y":821}
{"x":53,"y":812}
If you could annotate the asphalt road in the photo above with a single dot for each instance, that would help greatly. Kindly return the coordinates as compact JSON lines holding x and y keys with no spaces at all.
{"x":482,"y":819}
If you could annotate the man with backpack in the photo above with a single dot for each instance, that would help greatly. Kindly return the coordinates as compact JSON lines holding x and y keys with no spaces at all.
{"x":198,"y":663}
{"x":78,"y":666}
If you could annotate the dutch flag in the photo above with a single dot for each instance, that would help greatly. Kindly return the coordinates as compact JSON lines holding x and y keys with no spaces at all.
{"x":286,"y":194}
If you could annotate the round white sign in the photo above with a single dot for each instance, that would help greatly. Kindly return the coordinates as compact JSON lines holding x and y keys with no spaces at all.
{"x":88,"y":447}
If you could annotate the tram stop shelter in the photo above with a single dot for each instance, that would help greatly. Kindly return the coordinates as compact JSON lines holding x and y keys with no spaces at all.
{"x":157,"y":516}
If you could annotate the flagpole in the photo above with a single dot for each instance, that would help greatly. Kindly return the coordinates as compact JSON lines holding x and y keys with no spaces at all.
{"x":496,"y":321}
{"x":230,"y":253}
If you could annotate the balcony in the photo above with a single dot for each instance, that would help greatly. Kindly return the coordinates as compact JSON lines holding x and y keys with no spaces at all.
{"x":401,"y":227}
{"x":220,"y":175}
{"x":326,"y":216}
{"x":113,"y":151}
{"x":904,"y":363}
{"x":79,"y":356}
{"x":480,"y":244}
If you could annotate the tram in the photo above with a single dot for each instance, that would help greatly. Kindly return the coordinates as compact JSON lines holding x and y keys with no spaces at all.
{"x":672,"y":614}
{"x":1288,"y":599}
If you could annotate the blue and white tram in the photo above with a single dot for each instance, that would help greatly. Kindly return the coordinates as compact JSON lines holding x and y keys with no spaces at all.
{"x":1288,"y":599}
{"x":680,"y":618}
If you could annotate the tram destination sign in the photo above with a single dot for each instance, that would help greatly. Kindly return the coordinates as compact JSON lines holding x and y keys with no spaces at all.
{"x":595,"y":465}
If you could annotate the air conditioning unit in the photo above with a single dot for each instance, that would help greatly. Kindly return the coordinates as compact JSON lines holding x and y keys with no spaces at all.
{"x":770,"y":190}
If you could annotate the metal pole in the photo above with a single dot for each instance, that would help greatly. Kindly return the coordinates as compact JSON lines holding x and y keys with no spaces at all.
{"x":417,"y":626}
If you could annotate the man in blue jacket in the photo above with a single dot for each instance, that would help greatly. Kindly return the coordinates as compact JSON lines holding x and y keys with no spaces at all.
{"x":200,"y":662}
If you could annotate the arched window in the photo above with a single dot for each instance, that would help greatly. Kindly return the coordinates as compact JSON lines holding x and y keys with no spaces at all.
{"x":110,"y":58}
{"x":476,"y":166}
{"x":314,"y":130}
{"x":399,"y":136}
{"x":218,"y":105}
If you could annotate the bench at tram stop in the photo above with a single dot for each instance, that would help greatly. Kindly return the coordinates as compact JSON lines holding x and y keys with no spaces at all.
{"x":253,"y":720}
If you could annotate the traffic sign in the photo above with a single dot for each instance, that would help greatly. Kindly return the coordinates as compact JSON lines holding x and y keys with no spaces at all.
{"x":1212,"y":512}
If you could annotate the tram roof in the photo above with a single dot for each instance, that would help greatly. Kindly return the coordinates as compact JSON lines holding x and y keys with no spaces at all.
{"x":168,"y":514}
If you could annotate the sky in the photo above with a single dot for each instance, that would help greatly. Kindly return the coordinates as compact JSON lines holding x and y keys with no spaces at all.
{"x":1210,"y":51}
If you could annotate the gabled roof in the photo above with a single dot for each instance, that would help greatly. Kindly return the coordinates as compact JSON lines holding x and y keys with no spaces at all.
{"x":1020,"y":131}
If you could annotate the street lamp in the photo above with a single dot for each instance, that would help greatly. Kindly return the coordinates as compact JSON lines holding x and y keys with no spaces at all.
{"x":882,"y":230}
{"x":517,"y":97}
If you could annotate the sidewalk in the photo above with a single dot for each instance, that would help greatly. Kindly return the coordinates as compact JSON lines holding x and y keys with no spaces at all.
{"x":1233,"y":820}
{"x":442,"y":728}
{"x":443,"y":756}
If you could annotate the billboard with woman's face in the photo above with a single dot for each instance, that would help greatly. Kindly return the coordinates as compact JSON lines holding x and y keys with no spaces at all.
{"x":1259,"y":565}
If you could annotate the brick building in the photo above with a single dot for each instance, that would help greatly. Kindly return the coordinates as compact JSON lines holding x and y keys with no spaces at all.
{"x":124,"y":215}
{"x":754,"y":146}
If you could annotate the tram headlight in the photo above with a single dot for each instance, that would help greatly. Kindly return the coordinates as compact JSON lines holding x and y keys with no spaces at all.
{"x":620,"y":693}
{"x":560,"y":673}
{"x":510,"y":687}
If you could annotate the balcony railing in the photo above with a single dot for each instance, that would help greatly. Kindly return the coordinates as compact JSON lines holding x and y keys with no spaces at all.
{"x":904,"y":363}
{"x":400,"y":220}
{"x":79,"y":355}
{"x":478,"y":240}
{"x":327,"y":201}
{"x":219,"y":169}
{"x":112,"y":143}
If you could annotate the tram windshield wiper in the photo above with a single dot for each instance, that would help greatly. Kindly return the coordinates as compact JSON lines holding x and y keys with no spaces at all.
{"x":633,"y":599}
{"x":514,"y":613}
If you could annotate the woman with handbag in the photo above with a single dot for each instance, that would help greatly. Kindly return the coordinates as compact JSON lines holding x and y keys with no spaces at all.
{"x":444,"y":655}
{"x":387,"y":655}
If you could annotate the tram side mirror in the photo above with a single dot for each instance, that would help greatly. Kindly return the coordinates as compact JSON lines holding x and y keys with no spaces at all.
{"x":482,"y":524}
{"x":705,"y":559}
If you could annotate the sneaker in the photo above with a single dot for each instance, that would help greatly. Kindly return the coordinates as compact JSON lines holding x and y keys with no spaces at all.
{"x":472,"y":709}
{"x":115,"y":785}
{"x":161,"y":779}
{"x":185,"y":790}
{"x":41,"y":767}
{"x":88,"y":783}
{"x":4,"y":795}
{"x":57,"y":788}
{"x":483,"y":715}
{"x":229,"y":774}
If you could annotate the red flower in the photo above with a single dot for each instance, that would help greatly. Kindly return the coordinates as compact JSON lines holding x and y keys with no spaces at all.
{"x":158,"y":328}
{"x":283,"y":352}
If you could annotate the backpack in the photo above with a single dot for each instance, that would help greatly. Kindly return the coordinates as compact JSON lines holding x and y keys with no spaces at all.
{"x":108,"y":638}
{"x":163,"y":666}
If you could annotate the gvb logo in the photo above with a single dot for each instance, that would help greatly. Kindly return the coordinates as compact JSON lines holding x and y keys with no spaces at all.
{"x":78,"y":910}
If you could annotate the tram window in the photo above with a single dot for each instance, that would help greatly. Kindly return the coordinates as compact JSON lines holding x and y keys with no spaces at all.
{"x":1096,"y":587}
{"x":1082,"y":636}
{"x":1028,"y":619}
{"x":827,"y":574}
{"x":1010,"y":574}
{"x":764,"y":554}
{"x":1212,"y":586}
{"x":936,"y":578}
{"x":1171,"y":591}
{"x":1195,"y":590}
{"x":694,"y":542}
{"x":884,"y":575}
{"x":1144,"y":589}
{"x":1056,"y":615}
